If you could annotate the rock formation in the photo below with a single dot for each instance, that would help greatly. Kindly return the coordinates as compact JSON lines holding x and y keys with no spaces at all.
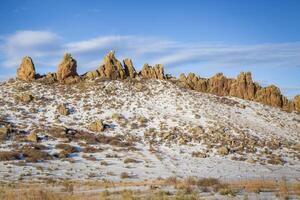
{"x":297,"y":103}
{"x":112,"y":68}
{"x":67,"y":68}
{"x":26,"y":71}
{"x":156,"y":72}
{"x":270,"y":95}
{"x":129,"y":69}
{"x":242,"y":87}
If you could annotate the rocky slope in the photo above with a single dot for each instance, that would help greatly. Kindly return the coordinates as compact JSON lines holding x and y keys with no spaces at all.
{"x":138,"y":129}
{"x":114,"y":123}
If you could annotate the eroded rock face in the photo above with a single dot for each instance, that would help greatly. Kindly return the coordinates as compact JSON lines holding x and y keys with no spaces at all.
{"x":112,"y":68}
{"x":270,"y":95}
{"x":243,"y":87}
{"x":156,"y":72}
{"x":129,"y":69}
{"x":67,"y":68}
{"x":26,"y":71}
{"x":297,"y":103}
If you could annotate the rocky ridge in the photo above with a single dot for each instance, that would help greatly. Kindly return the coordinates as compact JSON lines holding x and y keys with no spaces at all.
{"x":242,"y":87}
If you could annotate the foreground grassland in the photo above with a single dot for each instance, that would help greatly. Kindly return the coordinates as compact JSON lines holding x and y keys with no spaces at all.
{"x":170,"y":188}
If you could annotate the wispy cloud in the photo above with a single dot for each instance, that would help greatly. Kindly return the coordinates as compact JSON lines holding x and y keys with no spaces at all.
{"x":48,"y":47}
{"x":39,"y":44}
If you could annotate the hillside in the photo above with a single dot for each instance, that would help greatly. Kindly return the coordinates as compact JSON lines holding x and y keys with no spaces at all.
{"x":145,"y":127}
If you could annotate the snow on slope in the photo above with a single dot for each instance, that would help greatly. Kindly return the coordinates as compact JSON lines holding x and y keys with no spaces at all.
{"x":177,"y":132}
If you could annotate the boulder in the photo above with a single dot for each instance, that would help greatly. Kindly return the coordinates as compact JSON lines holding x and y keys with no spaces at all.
{"x":156,"y":72}
{"x":92,"y":74}
{"x":129,"y":69}
{"x":63,"y":110}
{"x":26,"y":71}
{"x":26,"y":98}
{"x":96,"y":126}
{"x":32,"y":137}
{"x":111,"y":68}
{"x":67,"y":68}
{"x":223,"y":151}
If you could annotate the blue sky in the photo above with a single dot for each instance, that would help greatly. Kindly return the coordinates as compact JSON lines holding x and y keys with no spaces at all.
{"x":204,"y":37}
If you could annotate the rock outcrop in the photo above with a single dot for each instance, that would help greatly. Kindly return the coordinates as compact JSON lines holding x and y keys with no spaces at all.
{"x":242,"y":87}
{"x":270,"y":95}
{"x":297,"y":103}
{"x":156,"y":72}
{"x":67,"y":69}
{"x":111,"y":68}
{"x":26,"y":71}
{"x":129,"y":69}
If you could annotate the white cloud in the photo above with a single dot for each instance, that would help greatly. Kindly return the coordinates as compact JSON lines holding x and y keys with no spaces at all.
{"x":38,"y":44}
{"x":46,"y":48}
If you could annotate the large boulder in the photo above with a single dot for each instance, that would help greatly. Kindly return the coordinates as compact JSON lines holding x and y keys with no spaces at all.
{"x":111,"y":68}
{"x":243,"y":87}
{"x":67,"y":68}
{"x":26,"y":70}
{"x":156,"y":72}
{"x":129,"y":69}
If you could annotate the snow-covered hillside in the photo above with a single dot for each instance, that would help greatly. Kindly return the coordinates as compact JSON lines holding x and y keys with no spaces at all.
{"x":152,"y":128}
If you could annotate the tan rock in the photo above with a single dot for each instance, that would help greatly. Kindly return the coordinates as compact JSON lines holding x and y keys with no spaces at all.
{"x":112,"y":68}
{"x":223,"y":151}
{"x":26,"y":98}
{"x":26,"y":71}
{"x":297,"y":103}
{"x":129,"y":69}
{"x":243,"y":87}
{"x":92,"y":74}
{"x":32,"y":137}
{"x":67,"y":68}
{"x":270,"y":95}
{"x":63,"y":110}
{"x":156,"y":72}
{"x":219,"y":85}
{"x":96,"y":126}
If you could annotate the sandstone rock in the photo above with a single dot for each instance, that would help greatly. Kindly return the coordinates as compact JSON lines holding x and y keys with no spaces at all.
{"x":112,"y":68}
{"x":32,"y":137}
{"x":92,"y":74}
{"x":223,"y":151}
{"x":243,"y":87}
{"x":26,"y":71}
{"x":63,"y":110}
{"x":67,"y":68}
{"x":129,"y":69}
{"x":156,"y":72}
{"x":26,"y":98}
{"x":270,"y":95}
{"x":96,"y":126}
{"x":51,"y":77}
{"x":297,"y":103}
{"x":219,"y":85}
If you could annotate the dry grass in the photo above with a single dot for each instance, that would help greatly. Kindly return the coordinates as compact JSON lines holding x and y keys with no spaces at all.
{"x":185,"y":189}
